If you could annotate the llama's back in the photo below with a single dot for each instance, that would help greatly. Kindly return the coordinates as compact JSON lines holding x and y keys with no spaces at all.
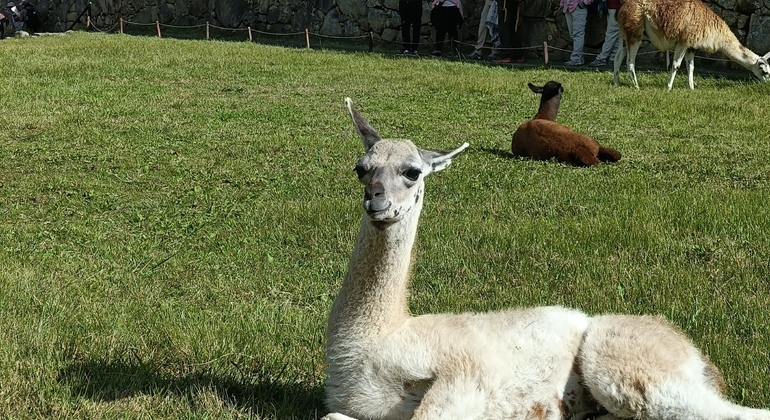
{"x":543,"y":139}
{"x":671,"y":22}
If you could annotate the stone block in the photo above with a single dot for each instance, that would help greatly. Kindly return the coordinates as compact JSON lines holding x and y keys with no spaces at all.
{"x":230,"y":13}
{"x":377,"y":20}
{"x":757,"y":39}
{"x":166,"y":13}
{"x":727,"y":4}
{"x":351,"y":28}
{"x":331,"y":25}
{"x":390,"y":35}
{"x":353,"y":9}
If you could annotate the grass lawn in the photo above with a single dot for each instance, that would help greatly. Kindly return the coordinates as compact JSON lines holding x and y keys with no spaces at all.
{"x":176,"y":216}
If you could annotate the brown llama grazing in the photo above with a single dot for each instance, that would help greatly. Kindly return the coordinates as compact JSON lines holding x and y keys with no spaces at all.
{"x":542,"y":138}
{"x":682,"y":26}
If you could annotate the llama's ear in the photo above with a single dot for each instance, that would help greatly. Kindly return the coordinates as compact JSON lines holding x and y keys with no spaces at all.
{"x":536,"y":89}
{"x":437,"y":160}
{"x":368,"y":134}
{"x":766,"y":56}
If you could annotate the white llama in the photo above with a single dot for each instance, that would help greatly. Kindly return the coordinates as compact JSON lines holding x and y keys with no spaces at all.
{"x":537,"y":363}
{"x":682,"y":26}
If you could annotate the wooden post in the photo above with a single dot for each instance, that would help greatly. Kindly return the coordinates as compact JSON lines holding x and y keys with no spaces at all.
{"x":668,"y":64}
{"x":307,"y":38}
{"x":88,"y":22}
{"x":157,"y":27}
{"x":371,"y":42}
{"x":250,"y":34}
{"x":121,"y":25}
{"x":207,"y":30}
{"x":545,"y":52}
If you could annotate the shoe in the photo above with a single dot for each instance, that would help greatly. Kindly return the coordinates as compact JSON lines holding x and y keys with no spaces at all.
{"x":503,"y":60}
{"x":517,"y":60}
{"x":475,"y":56}
{"x":436,"y":53}
{"x":494,"y":57}
{"x":404,"y":52}
{"x":571,"y":63}
{"x":598,"y":63}
{"x":414,"y":53}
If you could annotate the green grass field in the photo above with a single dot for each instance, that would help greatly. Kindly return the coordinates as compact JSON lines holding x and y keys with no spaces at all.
{"x":176,"y":216}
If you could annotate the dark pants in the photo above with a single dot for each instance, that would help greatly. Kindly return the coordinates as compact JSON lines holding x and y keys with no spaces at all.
{"x":411,"y":19}
{"x":510,"y":36}
{"x":445,"y":20}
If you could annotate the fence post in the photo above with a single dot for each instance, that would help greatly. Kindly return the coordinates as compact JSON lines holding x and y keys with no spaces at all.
{"x":157,"y":27}
{"x":207,"y":30}
{"x":371,"y":42}
{"x":250,"y":34}
{"x":121,"y":26}
{"x":88,"y":22}
{"x":307,"y":38}
{"x":545,"y":52}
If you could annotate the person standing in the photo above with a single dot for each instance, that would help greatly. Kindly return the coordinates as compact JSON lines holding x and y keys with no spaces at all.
{"x":611,"y":37}
{"x":576,"y":12}
{"x":511,"y":33}
{"x":487,"y":26}
{"x":446,"y":16}
{"x":411,"y":20}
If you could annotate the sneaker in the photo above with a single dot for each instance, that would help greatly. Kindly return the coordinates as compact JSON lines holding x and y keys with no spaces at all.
{"x":414,"y":53}
{"x":404,"y":52}
{"x":436,"y":53}
{"x":572,"y":63}
{"x":494,"y":57}
{"x":503,"y":60}
{"x":517,"y":60}
{"x":475,"y":56}
{"x":598,"y":63}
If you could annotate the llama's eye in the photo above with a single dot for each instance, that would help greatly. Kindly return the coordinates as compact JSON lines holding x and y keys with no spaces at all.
{"x":412,"y":174}
{"x":360,"y":171}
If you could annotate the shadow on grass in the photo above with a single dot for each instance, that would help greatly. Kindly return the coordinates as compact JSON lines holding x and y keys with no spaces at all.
{"x":257,"y":392}
{"x":500,"y":153}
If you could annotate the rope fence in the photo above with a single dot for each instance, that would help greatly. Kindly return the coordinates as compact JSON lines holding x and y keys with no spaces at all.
{"x":310,"y":40}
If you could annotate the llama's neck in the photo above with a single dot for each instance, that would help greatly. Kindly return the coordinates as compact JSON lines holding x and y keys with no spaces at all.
{"x":373,"y":298}
{"x":549,"y":107}
{"x":740,"y":54}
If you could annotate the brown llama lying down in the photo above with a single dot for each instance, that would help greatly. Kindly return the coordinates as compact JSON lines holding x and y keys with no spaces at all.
{"x":542,"y":138}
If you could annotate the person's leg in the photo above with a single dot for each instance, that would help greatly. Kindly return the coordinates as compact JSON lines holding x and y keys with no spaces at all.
{"x":406,"y":22}
{"x":481,"y":37}
{"x":613,"y":34}
{"x":416,"y":24}
{"x":578,"y":33}
{"x":453,"y":20}
{"x":439,"y":22}
{"x":517,"y":35}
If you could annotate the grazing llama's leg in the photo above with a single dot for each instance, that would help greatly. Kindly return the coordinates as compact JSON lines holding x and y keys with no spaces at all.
{"x":689,"y":58}
{"x":643,"y":368}
{"x":679,"y":53}
{"x":633,"y":49}
{"x":619,"y":56}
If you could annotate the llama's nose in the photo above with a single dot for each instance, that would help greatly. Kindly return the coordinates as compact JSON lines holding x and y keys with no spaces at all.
{"x":375,"y":199}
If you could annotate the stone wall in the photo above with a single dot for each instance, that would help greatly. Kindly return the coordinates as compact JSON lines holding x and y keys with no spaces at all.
{"x":540,"y":19}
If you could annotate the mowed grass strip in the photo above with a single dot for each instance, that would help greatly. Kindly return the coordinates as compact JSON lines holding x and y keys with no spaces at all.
{"x":176,"y":216}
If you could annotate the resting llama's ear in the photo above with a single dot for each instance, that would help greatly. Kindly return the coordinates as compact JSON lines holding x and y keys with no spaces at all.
{"x":536,"y":89}
{"x":766,"y":56}
{"x":437,"y":160}
{"x":368,"y":134}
